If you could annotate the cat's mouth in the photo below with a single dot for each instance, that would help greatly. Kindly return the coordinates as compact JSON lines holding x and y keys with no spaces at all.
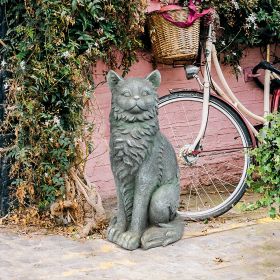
{"x":136,"y":109}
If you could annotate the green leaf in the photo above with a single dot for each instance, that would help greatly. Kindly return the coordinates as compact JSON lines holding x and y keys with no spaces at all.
{"x":74,"y":5}
{"x":272,"y":212}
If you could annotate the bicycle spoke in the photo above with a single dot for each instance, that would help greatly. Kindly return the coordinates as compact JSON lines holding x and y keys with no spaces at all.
{"x":200,"y":185}
{"x":212,"y":182}
{"x":206,"y":193}
{"x":190,"y":127}
{"x":172,"y":129}
{"x":241,"y":168}
{"x":214,"y":177}
{"x":221,"y":181}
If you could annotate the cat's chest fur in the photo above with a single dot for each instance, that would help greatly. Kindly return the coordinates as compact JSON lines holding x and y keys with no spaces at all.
{"x":130,"y":145}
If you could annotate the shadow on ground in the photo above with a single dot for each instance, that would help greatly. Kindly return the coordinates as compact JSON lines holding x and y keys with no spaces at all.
{"x":236,"y":246}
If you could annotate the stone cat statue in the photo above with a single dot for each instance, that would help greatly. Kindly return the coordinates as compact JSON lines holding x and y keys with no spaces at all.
{"x":144,"y":165}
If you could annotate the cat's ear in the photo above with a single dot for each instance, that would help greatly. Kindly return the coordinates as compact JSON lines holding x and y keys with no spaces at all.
{"x":154,"y":78}
{"x":113,"y":78}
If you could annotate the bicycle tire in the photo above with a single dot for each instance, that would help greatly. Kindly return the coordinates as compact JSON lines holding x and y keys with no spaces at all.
{"x":182,"y":117}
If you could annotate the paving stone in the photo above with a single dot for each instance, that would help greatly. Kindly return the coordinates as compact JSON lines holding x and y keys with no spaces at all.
{"x":246,"y":253}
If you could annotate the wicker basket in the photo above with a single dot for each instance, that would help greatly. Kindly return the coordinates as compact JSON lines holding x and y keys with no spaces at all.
{"x":171,"y":43}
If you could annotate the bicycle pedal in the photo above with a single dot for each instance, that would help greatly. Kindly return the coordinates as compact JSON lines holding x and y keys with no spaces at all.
{"x":248,"y":75}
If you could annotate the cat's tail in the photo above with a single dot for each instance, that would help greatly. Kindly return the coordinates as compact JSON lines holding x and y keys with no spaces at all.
{"x":163,"y":234}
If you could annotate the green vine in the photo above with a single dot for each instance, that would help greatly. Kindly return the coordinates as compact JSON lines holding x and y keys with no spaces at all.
{"x":244,"y":23}
{"x":264,"y":174}
{"x":49,"y":49}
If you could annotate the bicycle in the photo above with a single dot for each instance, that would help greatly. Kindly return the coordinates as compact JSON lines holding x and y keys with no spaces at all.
{"x":213,"y":160}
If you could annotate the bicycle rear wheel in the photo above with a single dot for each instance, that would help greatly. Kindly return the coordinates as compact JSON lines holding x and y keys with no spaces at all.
{"x":213,"y":181}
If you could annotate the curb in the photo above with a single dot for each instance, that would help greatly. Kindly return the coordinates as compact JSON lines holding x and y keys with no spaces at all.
{"x":229,"y":227}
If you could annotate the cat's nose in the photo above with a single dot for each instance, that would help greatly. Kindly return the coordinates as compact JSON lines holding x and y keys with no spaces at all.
{"x":136,"y":97}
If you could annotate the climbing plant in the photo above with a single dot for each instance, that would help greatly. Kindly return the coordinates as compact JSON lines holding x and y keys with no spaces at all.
{"x":243,"y":24}
{"x":264,"y":173}
{"x":48,"y":51}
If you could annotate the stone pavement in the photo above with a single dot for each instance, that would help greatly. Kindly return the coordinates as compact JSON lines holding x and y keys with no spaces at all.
{"x":249,"y":251}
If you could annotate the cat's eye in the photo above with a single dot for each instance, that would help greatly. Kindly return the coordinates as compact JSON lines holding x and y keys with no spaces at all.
{"x":126,"y":93}
{"x":145,"y":93}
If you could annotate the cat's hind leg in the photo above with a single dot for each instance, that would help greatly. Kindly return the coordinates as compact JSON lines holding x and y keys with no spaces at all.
{"x":166,"y":226}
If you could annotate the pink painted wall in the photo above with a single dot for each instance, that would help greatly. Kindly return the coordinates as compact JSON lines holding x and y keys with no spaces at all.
{"x":98,"y":166}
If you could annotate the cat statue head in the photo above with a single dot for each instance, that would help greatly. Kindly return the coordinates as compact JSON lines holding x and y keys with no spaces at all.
{"x":134,"y":99}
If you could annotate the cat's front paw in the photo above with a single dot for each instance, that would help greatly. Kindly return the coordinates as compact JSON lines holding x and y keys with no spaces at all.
{"x":129,"y":240}
{"x":115,"y":229}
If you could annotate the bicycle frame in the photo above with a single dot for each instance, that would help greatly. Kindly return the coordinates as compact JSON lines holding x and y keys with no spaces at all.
{"x":226,"y":93}
{"x":206,"y":91}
